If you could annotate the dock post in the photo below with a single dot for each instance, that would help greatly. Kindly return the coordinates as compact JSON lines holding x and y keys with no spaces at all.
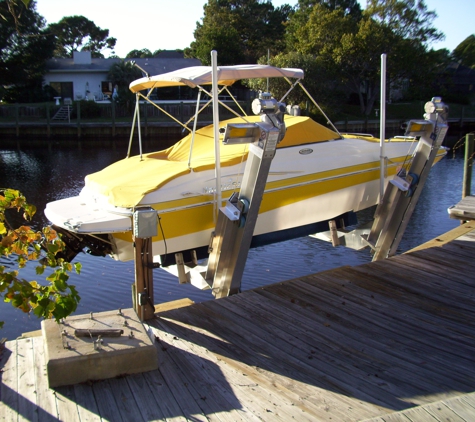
{"x":17,"y":119}
{"x":334,"y":233}
{"x":113,"y":117}
{"x":143,"y":302}
{"x":145,"y":226}
{"x":467,"y":166}
{"x":48,"y":121}
{"x":79,"y":118}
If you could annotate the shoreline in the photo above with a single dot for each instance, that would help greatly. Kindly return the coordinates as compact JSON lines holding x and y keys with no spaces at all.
{"x":168,"y":132}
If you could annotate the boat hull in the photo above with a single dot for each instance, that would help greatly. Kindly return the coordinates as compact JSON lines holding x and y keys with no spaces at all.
{"x":306,"y":185}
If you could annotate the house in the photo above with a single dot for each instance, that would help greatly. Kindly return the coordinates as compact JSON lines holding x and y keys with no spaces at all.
{"x":83,"y":77}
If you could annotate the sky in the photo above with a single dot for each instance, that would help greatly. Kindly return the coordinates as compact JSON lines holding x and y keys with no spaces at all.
{"x":169,"y":24}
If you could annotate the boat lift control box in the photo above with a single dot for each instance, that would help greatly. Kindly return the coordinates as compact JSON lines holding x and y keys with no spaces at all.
{"x":145,"y":222}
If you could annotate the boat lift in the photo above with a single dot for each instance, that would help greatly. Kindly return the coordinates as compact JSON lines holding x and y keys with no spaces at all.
{"x":402,"y":193}
{"x":237,"y":219}
{"x":398,"y":201}
{"x":231,"y":240}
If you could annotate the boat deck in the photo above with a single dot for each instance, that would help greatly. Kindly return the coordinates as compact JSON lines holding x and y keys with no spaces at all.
{"x":349,"y":344}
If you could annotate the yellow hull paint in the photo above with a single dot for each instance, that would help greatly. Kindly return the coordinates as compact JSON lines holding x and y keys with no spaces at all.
{"x":185,"y":216}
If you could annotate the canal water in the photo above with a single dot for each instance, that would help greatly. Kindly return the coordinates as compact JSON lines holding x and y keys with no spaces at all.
{"x":54,"y":170}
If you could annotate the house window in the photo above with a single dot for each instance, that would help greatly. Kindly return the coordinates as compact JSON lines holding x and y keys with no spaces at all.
{"x":106,"y":87}
{"x":62,"y":89}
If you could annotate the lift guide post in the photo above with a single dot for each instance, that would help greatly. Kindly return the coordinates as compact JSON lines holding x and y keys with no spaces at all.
{"x":237,"y":219}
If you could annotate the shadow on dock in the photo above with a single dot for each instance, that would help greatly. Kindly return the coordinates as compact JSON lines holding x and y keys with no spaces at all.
{"x":342,"y":345}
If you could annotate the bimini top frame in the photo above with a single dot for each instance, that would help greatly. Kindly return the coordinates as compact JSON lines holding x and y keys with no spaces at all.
{"x":201,"y":76}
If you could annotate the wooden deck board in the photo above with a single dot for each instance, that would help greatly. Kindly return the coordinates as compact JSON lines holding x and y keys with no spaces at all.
{"x":240,"y":374}
{"x":45,"y":402}
{"x":207,"y":370}
{"x":9,"y":383}
{"x":388,"y":341}
{"x":464,"y":210}
{"x":366,"y":341}
{"x":369,"y":293}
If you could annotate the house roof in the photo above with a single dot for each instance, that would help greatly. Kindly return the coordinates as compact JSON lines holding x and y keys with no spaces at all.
{"x":82,"y":63}
{"x":159,"y":65}
{"x":68,"y":65}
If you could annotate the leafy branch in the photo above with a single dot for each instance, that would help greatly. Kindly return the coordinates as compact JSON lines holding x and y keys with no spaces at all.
{"x":57,"y":299}
{"x":12,"y":6}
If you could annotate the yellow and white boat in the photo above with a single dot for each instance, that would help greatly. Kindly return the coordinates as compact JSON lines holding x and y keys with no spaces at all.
{"x":317,"y":175}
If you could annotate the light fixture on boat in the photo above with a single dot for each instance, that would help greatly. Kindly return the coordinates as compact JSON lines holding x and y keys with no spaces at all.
{"x":418,"y":127}
{"x":436,"y":108}
{"x":240,"y":133}
{"x":264,"y":104}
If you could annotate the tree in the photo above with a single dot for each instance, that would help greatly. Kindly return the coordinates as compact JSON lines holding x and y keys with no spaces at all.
{"x":13,"y":9}
{"x":57,"y":299}
{"x":351,"y":49}
{"x":405,"y":30}
{"x":408,"y":19}
{"x":121,"y":74}
{"x":318,"y":81}
{"x":348,"y":7}
{"x":464,"y":53}
{"x":240,"y":30}
{"x":75,"y":33}
{"x":139,"y":54}
{"x":359,"y":56}
{"x":300,"y":17}
{"x":25,"y":47}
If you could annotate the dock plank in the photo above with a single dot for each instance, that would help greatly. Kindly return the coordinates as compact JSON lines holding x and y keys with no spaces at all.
{"x":26,"y":382}
{"x":86,"y":403}
{"x":303,"y":344}
{"x":212,"y":390}
{"x":106,"y":401}
{"x":364,"y":341}
{"x":463,"y":210}
{"x":440,"y":411}
{"x":239,"y":390}
{"x":243,"y":376}
{"x":359,"y":290}
{"x":373,"y":364}
{"x":46,"y":402}
{"x":259,"y":345}
{"x":369,"y":290}
{"x":9,"y":382}
{"x":389,"y":341}
{"x":164,"y":397}
{"x":66,"y":403}
{"x":124,"y":399}
{"x":145,"y":398}
{"x":193,"y":402}
{"x":462,"y":408}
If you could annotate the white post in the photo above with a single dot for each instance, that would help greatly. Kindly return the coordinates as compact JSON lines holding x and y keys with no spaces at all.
{"x":217,"y":155}
{"x":137,"y":105}
{"x":382,"y":127}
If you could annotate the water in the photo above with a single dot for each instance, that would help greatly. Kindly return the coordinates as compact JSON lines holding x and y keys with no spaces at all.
{"x":57,"y":170}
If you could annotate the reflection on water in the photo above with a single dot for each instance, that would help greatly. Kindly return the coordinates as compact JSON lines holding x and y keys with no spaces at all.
{"x":55,"y":171}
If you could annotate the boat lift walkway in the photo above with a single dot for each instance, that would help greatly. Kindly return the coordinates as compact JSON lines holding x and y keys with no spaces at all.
{"x":392,"y":340}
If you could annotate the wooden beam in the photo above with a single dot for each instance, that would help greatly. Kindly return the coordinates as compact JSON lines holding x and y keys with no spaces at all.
{"x":446,"y":237}
{"x":144,"y":278}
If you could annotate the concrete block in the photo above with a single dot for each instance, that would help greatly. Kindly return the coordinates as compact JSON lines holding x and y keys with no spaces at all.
{"x":75,"y":353}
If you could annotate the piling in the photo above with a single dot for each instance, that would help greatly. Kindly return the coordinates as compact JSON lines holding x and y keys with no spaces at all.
{"x":467,"y":166}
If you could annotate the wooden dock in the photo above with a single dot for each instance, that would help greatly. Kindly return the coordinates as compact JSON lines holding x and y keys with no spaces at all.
{"x":464,"y":210}
{"x":389,"y":341}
